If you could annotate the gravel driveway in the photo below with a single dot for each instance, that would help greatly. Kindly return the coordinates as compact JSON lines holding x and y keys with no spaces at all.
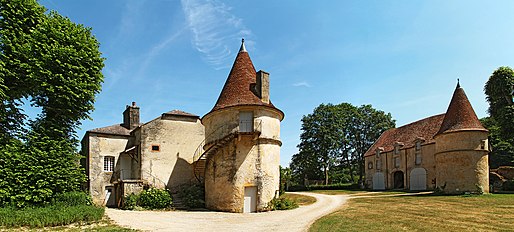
{"x":288,"y":220}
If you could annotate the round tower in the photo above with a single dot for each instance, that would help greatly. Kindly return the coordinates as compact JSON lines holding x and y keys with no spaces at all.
{"x":242,"y":145}
{"x":462,"y":150}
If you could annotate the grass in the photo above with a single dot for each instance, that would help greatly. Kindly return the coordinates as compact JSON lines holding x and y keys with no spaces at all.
{"x":492,"y":212}
{"x":355,"y":192}
{"x":300,"y":199}
{"x":104,"y":225}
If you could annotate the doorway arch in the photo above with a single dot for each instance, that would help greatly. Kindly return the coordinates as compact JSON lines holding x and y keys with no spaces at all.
{"x":398,"y":180}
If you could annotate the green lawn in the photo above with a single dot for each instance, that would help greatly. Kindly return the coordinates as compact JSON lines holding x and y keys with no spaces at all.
{"x":492,"y":212}
{"x":300,"y":199}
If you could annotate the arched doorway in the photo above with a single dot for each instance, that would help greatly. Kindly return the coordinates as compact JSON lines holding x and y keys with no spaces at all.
{"x":398,"y":180}
{"x":418,"y":179}
{"x":378,"y":181}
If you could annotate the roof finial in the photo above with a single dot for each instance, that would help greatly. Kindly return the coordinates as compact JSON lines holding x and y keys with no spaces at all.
{"x":243,"y":48}
{"x":458,"y":83}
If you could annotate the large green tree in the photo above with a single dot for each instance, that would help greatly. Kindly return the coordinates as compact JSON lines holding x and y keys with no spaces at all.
{"x":55,"y":65}
{"x":334,"y":139}
{"x":499,"y":90}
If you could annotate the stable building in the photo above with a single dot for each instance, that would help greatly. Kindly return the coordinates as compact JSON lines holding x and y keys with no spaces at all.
{"x":448,"y":152}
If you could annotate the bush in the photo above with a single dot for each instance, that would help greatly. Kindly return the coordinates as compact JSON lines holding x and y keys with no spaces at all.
{"x":51,"y":215}
{"x":72,"y":199}
{"x":131,"y":201}
{"x":193,"y":196}
{"x":282,"y":203}
{"x":151,"y":198}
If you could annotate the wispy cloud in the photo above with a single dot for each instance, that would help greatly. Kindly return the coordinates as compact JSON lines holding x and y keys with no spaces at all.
{"x":302,"y":84}
{"x":156,"y":50}
{"x":214,"y":30}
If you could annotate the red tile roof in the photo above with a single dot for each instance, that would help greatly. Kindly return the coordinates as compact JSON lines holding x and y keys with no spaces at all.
{"x":237,"y":90}
{"x":425,"y":128}
{"x":460,"y":115}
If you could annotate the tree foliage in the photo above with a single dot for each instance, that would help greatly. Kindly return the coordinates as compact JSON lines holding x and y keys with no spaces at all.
{"x":334,"y":139}
{"x":55,"y":65}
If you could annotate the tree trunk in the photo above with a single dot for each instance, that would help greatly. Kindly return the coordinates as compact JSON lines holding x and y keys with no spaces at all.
{"x":326,"y":175}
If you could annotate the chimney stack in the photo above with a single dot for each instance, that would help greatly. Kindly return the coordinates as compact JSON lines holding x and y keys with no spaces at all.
{"x":262,"y":86}
{"x":131,"y":116}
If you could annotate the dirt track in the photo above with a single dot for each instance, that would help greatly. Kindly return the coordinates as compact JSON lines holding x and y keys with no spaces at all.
{"x":288,"y":220}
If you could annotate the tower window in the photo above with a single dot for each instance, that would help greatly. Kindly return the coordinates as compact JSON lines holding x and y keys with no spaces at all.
{"x":246,"y":122}
{"x":108,"y":163}
{"x":156,"y":148}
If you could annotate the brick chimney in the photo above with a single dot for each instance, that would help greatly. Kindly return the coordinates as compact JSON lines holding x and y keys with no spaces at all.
{"x":131,"y":116}
{"x":262,"y":86}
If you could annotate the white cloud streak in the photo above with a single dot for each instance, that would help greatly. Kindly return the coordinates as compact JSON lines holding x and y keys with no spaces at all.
{"x":302,"y":84}
{"x":214,"y":30}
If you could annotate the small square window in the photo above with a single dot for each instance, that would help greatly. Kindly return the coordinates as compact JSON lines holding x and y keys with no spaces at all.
{"x":108,"y":163}
{"x":156,"y":148}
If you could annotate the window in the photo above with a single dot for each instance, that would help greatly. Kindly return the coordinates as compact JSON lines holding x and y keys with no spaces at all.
{"x":484,"y":144}
{"x":396,"y":162}
{"x":418,"y":145}
{"x":108,"y":163}
{"x":156,"y":148}
{"x":379,"y":164}
{"x":246,"y":122}
{"x":370,"y":165}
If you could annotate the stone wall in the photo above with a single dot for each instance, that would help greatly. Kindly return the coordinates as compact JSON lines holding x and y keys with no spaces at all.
{"x":177,"y":139}
{"x":462,"y":162}
{"x":99,"y":147}
{"x":247,"y":160}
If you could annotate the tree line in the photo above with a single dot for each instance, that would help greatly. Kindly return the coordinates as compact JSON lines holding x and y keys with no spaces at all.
{"x":333,"y":141}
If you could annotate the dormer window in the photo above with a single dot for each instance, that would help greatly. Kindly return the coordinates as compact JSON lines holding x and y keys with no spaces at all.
{"x":397,"y":147}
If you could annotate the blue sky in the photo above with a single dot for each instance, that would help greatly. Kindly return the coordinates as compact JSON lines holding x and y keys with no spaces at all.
{"x":402,"y":57}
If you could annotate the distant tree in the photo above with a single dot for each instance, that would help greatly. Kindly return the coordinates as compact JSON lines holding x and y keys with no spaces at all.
{"x":499,"y":90}
{"x":56,"y":65}
{"x":367,"y":126}
{"x":502,"y":153}
{"x":334,"y":139}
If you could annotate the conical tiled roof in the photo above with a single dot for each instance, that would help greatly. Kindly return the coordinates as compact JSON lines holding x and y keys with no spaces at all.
{"x":238,"y":89}
{"x":460,"y":115}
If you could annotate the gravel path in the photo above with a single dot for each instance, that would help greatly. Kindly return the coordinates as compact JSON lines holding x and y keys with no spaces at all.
{"x":288,"y":220}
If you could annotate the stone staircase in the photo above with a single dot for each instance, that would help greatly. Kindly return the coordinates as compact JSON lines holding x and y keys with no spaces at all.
{"x":199,"y":164}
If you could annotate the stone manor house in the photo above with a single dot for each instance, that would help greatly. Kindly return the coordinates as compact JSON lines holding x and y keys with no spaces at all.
{"x":234,"y":150}
{"x":448,"y":152}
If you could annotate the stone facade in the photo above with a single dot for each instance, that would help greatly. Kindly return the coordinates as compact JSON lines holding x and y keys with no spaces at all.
{"x":234,"y":149}
{"x":158,"y":153}
{"x":447,"y":152}
{"x":242,"y":145}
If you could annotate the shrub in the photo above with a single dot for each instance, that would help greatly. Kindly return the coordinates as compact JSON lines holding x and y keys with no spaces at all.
{"x":282,"y":203}
{"x":193,"y":196}
{"x":72,"y":199}
{"x":131,"y":201}
{"x":154,"y":198}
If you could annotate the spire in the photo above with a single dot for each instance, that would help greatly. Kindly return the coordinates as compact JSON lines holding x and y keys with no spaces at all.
{"x":243,"y":48}
{"x":460,"y":114}
{"x":240,"y":86}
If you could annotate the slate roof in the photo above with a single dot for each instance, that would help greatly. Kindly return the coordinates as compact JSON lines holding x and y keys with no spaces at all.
{"x":181,"y":113}
{"x":237,"y":90}
{"x":117,"y":129}
{"x":460,"y":114}
{"x":425,"y":128}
